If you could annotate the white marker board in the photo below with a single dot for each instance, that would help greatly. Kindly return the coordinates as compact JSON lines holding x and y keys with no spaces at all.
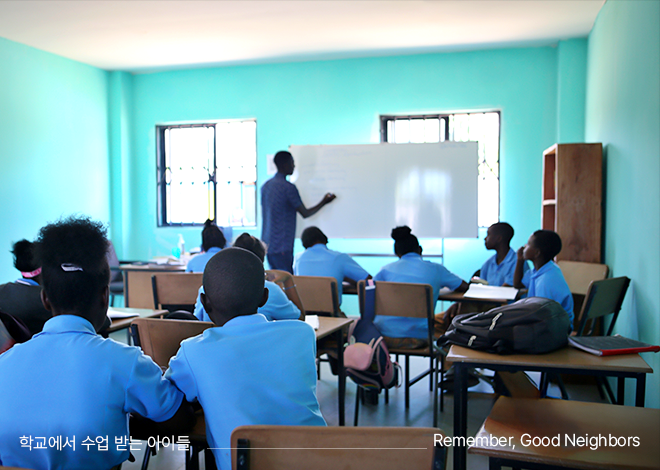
{"x":432,"y":188}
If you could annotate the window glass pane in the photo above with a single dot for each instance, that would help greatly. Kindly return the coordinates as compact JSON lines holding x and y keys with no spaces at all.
{"x":431,"y":130}
{"x":417,"y":131}
{"x":402,"y":131}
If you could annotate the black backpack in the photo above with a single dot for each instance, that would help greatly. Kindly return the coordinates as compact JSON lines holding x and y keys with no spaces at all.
{"x":532,"y":326}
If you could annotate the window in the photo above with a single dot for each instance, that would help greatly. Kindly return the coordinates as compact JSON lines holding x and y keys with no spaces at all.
{"x":481,"y":127}
{"x":207,"y":171}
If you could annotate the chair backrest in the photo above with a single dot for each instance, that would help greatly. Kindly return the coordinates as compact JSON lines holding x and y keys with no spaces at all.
{"x":176,"y":291}
{"x":579,"y":275}
{"x":319,"y":295}
{"x":603,"y":297}
{"x":400,"y":299}
{"x":331,"y":448}
{"x":160,"y":339}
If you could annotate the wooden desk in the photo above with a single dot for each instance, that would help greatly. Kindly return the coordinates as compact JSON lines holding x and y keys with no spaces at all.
{"x":565,"y":361}
{"x":122,"y":323}
{"x":512,"y":418}
{"x":335,"y":326}
{"x":138,"y":292}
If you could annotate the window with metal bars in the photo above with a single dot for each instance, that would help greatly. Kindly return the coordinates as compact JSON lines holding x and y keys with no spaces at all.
{"x":482,"y":127}
{"x":207,"y":171}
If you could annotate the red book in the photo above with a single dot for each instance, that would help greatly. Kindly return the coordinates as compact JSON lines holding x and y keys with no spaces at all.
{"x":610,"y":345}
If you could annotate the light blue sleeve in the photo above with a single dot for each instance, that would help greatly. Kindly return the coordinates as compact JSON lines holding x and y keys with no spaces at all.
{"x":278,"y":306}
{"x":352,"y":269}
{"x":448,"y":279}
{"x":180,"y":374}
{"x":199,"y":308}
{"x":527,"y":275}
{"x":148,"y":393}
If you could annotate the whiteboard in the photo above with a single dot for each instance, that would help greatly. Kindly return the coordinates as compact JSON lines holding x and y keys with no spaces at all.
{"x":432,"y":188}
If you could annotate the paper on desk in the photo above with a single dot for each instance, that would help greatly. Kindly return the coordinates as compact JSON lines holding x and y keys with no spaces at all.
{"x":114,"y":314}
{"x":478,"y":291}
{"x":313,"y":321}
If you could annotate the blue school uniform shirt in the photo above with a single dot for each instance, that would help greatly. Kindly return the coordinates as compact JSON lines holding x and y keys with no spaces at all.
{"x":277,"y":307}
{"x":198,"y":262}
{"x":68,"y":381}
{"x":412,"y":268}
{"x":548,"y":282}
{"x":279,"y":201}
{"x":249,"y":371}
{"x":500,"y":274}
{"x":319,"y":261}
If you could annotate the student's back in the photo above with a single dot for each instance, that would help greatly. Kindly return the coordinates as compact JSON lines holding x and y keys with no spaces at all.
{"x":247,"y":370}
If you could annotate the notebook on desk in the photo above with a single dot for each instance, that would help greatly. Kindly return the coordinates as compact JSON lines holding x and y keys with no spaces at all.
{"x":313,"y":321}
{"x":480,"y":291}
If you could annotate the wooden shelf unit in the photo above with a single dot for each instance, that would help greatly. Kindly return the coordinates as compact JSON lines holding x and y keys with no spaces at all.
{"x":572,"y":199}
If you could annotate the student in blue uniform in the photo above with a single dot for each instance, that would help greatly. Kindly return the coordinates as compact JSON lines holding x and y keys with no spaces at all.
{"x":317,"y":260}
{"x":68,"y":385}
{"x":498,"y":269}
{"x":213,"y":240}
{"x":413,"y":269}
{"x":247,"y":370}
{"x":546,"y":279}
{"x":278,"y":306}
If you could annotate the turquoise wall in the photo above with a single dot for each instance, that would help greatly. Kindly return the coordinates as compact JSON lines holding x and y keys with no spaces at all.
{"x":571,"y":88}
{"x":623,"y":112}
{"x":53,"y":144}
{"x":339,"y":102}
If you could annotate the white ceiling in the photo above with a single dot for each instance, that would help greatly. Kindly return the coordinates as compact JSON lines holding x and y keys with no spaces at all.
{"x":155,"y":35}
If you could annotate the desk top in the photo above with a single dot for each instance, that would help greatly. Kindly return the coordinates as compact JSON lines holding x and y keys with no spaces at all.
{"x":152,"y":267}
{"x":512,"y":418}
{"x":566,"y":358}
{"x":328,"y":325}
{"x":121,"y":323}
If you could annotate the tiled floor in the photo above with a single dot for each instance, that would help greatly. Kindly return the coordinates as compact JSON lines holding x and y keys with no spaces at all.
{"x":420,"y":413}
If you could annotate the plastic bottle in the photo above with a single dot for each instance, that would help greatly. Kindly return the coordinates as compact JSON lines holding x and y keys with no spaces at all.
{"x":181,"y":245}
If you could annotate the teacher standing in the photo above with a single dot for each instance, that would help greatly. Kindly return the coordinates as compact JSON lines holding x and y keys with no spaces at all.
{"x":280,"y":200}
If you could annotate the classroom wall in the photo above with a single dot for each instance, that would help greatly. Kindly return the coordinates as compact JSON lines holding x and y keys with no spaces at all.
{"x":623,"y":112}
{"x":53,"y":144}
{"x":339,"y":102}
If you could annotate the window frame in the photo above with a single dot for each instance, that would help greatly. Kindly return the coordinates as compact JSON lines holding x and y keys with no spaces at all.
{"x":162,"y":168}
{"x":385,"y":118}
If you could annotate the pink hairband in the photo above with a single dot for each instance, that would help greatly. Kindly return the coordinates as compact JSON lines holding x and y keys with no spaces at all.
{"x":30,"y":275}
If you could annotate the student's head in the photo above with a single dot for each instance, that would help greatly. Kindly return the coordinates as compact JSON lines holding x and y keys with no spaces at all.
{"x":284,"y":162}
{"x":543,"y":245}
{"x":25,"y":261}
{"x":212,"y":236}
{"x":74,"y":268}
{"x":252,"y":244}
{"x":233,"y":285}
{"x":404,"y":241}
{"x":313,"y":236}
{"x":499,"y":234}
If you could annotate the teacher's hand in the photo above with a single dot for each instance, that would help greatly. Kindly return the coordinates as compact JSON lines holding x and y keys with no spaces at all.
{"x":329,"y":197}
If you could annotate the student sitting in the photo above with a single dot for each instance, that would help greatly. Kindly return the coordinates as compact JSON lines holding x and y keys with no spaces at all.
{"x":68,"y":384}
{"x":250,"y":370}
{"x":317,"y":260}
{"x":278,"y":306}
{"x":546,"y":279}
{"x":213,"y":240}
{"x":412,"y":332}
{"x":22,"y":298}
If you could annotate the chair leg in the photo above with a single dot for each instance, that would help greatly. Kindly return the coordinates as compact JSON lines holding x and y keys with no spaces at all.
{"x":358,"y":395}
{"x":431,"y":373}
{"x":562,"y":387}
{"x":407,"y":381}
{"x":387,"y":396}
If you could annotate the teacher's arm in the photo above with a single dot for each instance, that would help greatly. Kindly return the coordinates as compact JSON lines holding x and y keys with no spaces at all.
{"x":305,"y":212}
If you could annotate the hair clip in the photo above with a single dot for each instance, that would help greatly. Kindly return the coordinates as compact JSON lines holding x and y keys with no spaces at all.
{"x":31,"y":274}
{"x":68,"y":267}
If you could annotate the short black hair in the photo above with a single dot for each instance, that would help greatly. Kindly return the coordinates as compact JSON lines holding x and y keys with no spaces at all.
{"x":404,"y":241}
{"x":548,"y":243}
{"x":74,"y":266}
{"x":282,"y":157}
{"x":234,"y":279}
{"x":313,"y":235}
{"x":24,"y":259}
{"x":504,"y":230}
{"x":212,"y":236}
{"x":252,"y":244}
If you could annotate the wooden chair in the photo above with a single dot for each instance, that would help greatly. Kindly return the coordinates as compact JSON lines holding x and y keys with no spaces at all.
{"x":160,"y":339}
{"x":176,"y":291}
{"x":602,"y":298}
{"x":319,"y":295}
{"x":332,"y":448}
{"x":415,"y":301}
{"x":578,"y":276}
